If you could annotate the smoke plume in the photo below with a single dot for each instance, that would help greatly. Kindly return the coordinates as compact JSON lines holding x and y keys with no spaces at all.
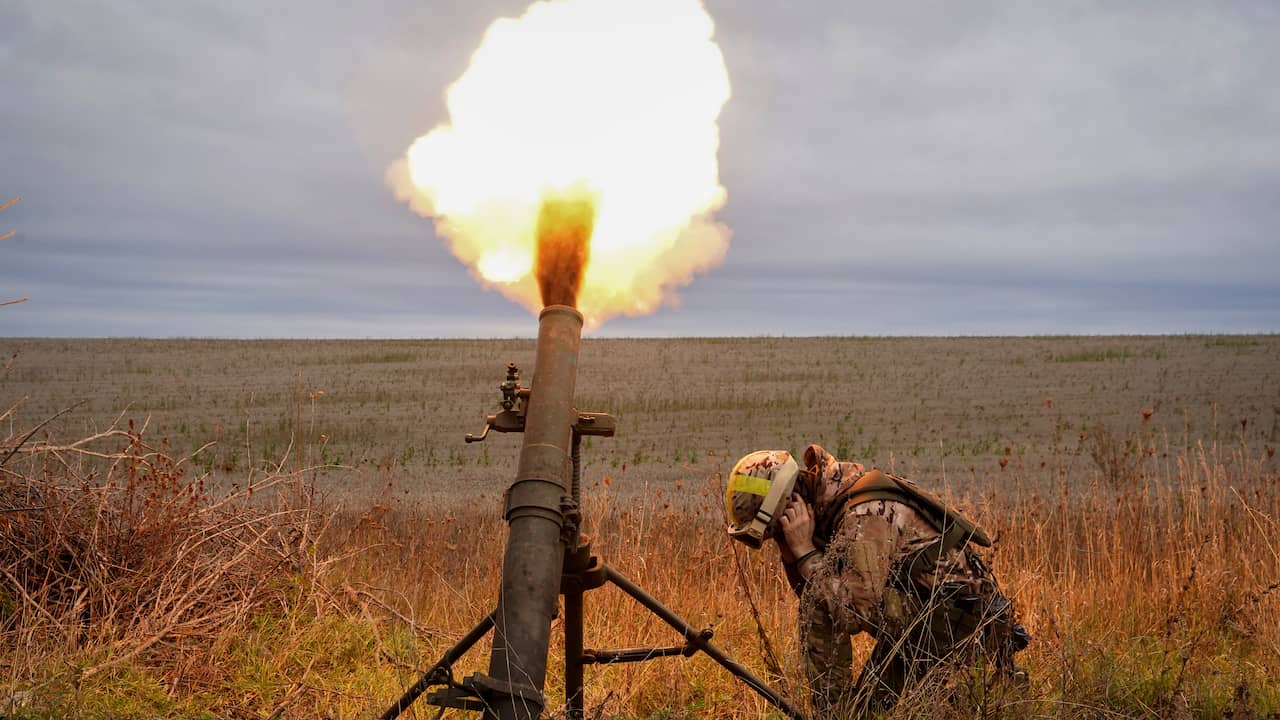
{"x":564,"y":234}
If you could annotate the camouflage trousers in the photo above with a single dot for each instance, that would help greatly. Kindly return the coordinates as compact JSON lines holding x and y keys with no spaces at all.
{"x":953,"y":629}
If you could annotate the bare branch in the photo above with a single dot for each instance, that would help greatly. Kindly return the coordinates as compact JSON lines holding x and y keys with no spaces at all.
{"x":36,"y":429}
{"x":5,"y":415}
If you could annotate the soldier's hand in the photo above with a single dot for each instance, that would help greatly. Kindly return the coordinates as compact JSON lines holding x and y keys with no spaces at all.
{"x":797,"y":526}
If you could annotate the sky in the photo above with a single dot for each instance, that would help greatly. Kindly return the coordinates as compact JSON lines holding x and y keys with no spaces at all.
{"x":216,"y":169}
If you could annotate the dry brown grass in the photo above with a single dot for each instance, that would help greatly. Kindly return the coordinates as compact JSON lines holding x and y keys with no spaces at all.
{"x":1143,"y":599}
{"x":110,"y":557}
{"x":1136,"y":513}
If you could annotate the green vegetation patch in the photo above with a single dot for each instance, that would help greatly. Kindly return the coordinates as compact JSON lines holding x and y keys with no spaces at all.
{"x":1232,"y":341}
{"x":381,"y":358}
{"x":1094,"y":355}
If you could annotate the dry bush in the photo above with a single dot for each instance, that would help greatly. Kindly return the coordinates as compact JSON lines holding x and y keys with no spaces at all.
{"x":1118,"y":459}
{"x":109,"y":554}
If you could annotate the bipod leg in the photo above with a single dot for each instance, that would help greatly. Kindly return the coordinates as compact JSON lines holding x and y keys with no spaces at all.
{"x":581,"y":573}
{"x":696,"y":639}
{"x":433,"y":676}
{"x":573,"y":655}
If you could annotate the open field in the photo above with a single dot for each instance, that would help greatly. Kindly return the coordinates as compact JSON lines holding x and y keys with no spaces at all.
{"x":922,"y":406}
{"x":1131,"y":482}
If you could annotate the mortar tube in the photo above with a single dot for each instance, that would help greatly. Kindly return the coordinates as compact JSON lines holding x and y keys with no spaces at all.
{"x":532,"y":563}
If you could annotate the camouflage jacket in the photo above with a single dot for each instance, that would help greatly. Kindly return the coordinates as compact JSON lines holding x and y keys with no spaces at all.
{"x":863,"y":548}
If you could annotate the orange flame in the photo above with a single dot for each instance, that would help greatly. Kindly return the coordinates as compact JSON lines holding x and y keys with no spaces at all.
{"x":612,"y":103}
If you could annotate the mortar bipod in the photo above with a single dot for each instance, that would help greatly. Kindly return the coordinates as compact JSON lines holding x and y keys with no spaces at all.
{"x":583,"y":572}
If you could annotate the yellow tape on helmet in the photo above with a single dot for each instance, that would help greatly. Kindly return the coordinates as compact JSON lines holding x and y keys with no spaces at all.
{"x":749,"y":484}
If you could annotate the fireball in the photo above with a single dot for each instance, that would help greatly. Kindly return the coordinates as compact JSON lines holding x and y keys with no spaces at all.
{"x":612,"y":103}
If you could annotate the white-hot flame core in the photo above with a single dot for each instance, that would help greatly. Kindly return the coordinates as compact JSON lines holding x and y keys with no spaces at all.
{"x":617,"y":98}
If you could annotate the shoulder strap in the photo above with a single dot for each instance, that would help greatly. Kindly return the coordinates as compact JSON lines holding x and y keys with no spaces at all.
{"x":956,"y":530}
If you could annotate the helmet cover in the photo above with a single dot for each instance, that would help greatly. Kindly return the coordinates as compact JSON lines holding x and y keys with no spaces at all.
{"x":758,"y":489}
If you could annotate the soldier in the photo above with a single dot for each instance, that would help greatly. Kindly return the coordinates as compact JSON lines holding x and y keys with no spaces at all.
{"x":867,"y":551}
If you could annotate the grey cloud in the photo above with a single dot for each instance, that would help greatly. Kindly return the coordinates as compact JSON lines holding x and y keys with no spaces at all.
{"x":965,"y":301}
{"x":213,"y":168}
{"x":1128,"y":142}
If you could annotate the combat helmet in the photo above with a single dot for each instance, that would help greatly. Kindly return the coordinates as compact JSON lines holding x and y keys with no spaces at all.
{"x":758,"y":489}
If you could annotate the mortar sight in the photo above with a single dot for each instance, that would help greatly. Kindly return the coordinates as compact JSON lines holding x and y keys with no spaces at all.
{"x":510,"y":386}
{"x":511,"y":419}
{"x":514,"y":401}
